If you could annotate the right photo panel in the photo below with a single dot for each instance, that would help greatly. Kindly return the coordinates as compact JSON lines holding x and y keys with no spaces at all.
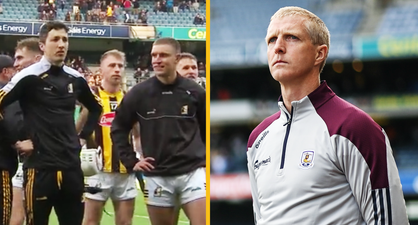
{"x":314,"y":112}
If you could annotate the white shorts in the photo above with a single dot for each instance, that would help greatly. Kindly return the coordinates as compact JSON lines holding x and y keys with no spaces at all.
{"x":172,"y":191}
{"x":17,"y":180}
{"x":117,"y":186}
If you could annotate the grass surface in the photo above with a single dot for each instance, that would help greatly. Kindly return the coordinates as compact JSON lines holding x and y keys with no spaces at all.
{"x":140,"y":215}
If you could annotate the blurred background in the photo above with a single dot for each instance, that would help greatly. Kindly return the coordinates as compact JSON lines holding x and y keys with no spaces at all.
{"x":373,"y":63}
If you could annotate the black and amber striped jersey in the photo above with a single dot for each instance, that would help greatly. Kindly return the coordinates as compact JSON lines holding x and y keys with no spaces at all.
{"x":110,"y":102}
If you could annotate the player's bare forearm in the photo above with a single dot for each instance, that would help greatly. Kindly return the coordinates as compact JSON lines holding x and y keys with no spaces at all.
{"x":82,"y":119}
{"x":137,"y":140}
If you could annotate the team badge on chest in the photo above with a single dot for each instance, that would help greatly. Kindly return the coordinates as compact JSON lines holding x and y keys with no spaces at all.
{"x":307,"y":159}
{"x":70,"y":88}
{"x":184,"y":110}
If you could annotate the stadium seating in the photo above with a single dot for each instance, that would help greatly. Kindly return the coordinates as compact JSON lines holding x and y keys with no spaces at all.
{"x":27,"y":10}
{"x":399,"y":19}
{"x":254,"y":16}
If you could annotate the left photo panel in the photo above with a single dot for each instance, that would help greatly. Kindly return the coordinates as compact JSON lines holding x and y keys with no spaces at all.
{"x":104,"y":112}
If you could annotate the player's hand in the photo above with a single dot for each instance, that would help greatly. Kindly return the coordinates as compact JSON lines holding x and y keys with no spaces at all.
{"x":144,"y":164}
{"x":26,"y":146}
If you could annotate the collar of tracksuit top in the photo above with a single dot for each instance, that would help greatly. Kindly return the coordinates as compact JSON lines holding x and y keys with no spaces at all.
{"x":47,"y":66}
{"x":325,"y":162}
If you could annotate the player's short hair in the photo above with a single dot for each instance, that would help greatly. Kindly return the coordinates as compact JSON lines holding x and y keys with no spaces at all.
{"x":187,"y":55}
{"x":169,"y":41}
{"x":316,"y":28}
{"x":31,"y":44}
{"x":51,"y":25}
{"x":115,"y":53}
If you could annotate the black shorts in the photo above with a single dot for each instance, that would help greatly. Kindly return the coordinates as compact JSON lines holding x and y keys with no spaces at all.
{"x":63,"y":190}
{"x":7,"y":195}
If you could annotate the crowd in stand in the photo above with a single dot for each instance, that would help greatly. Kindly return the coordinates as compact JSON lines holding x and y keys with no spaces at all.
{"x":116,"y":11}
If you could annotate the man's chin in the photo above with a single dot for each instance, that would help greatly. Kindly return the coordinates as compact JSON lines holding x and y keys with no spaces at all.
{"x":160,"y":74}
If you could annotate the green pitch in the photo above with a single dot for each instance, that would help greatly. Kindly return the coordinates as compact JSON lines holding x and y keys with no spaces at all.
{"x":140,"y":215}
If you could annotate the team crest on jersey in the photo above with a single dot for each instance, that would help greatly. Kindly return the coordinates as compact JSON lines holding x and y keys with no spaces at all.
{"x":70,"y":88}
{"x":307,"y":160}
{"x":107,"y":119}
{"x":184,"y":110}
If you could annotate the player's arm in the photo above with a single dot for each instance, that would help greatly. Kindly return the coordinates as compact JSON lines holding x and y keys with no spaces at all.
{"x":253,"y":183}
{"x":10,"y":93}
{"x":14,"y":90}
{"x":93,"y":104}
{"x":367,"y":161}
{"x":137,"y":140}
{"x":82,"y":119}
{"x":201,"y":114}
{"x":13,"y":117}
{"x":122,"y":125}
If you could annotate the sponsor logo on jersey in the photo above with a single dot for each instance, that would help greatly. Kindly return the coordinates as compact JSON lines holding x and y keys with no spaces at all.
{"x":258,"y":164}
{"x":107,"y":119}
{"x":306,"y":160}
{"x":262,"y":138}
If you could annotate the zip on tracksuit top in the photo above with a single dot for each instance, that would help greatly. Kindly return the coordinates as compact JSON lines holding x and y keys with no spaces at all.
{"x":324,"y":163}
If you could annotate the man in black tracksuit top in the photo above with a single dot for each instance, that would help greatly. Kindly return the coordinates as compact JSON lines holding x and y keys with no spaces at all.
{"x":8,"y":155}
{"x":47,"y":92}
{"x":171,"y":111}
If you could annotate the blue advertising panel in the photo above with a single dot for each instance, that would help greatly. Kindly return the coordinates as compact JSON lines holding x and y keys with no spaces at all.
{"x":16,"y":28}
{"x":76,"y":30}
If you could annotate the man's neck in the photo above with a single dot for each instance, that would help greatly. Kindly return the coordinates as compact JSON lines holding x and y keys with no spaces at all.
{"x":57,"y":63}
{"x":167,"y":79}
{"x":110,"y":88}
{"x":295,"y":91}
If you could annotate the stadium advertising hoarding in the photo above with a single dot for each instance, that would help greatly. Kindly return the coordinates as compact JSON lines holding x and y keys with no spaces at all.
{"x":386,"y":46}
{"x":183,"y":33}
{"x":230,"y":187}
{"x":76,"y":30}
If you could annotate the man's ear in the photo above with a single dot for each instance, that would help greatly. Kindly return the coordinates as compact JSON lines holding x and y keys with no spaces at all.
{"x":321,"y":54}
{"x":42,"y":46}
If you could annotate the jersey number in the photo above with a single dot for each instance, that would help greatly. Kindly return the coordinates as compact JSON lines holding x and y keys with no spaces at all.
{"x":113,"y":106}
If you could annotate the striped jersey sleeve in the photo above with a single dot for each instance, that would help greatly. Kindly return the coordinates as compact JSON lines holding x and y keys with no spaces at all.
{"x":365,"y":157}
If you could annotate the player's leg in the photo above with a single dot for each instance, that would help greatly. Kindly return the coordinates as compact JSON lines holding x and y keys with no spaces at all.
{"x":159,"y":198}
{"x":177,"y":209}
{"x":123,"y":198}
{"x":38,"y":188}
{"x":94,"y":203}
{"x":6,"y":193}
{"x":69,"y":205}
{"x":193,"y":196}
{"x":18,"y":209}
